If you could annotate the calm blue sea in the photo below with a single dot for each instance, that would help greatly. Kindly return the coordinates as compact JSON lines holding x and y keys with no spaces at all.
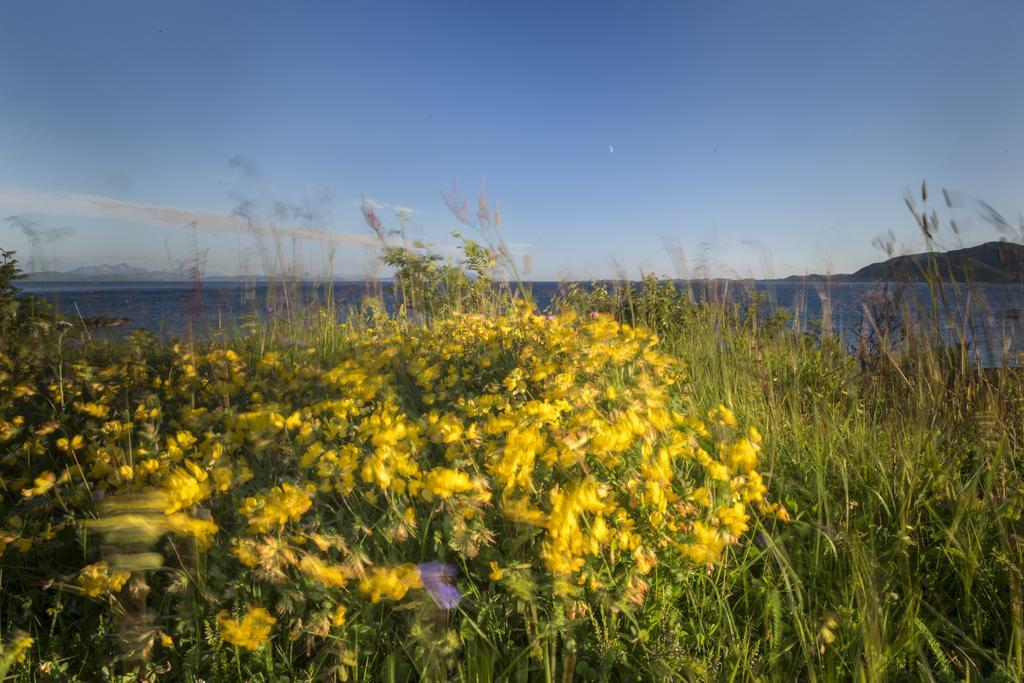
{"x":991,"y":316}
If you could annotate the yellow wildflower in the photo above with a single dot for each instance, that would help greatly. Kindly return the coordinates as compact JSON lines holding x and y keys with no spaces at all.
{"x":293,"y":422}
{"x":718,"y":471}
{"x":706,"y":545}
{"x":97,"y":410}
{"x":252,"y":631}
{"x":442,"y":483}
{"x":701,"y":496}
{"x":281,"y":504}
{"x":742,"y":455}
{"x":331,"y":576}
{"x":519,"y":510}
{"x":200,"y":529}
{"x":97,"y":579}
{"x":723,"y":415}
{"x":390,"y":582}
{"x":43,"y":483}
{"x":826,"y":634}
{"x":16,"y":650}
{"x":75,"y":443}
{"x":246,"y":551}
{"x":645,"y":559}
{"x":183,"y":490}
{"x":734,"y":518}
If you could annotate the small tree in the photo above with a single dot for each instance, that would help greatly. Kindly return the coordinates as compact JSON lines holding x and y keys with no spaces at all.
{"x":9,"y":272}
{"x":25,"y":321}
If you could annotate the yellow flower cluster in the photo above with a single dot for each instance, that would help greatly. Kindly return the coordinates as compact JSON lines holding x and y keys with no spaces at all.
{"x":567,"y":540}
{"x":390,"y":582}
{"x":556,"y":452}
{"x":441,"y":483}
{"x":251,"y":631}
{"x":184,"y":488}
{"x":329,"y":575}
{"x":16,"y":650}
{"x":97,"y":579}
{"x":274,"y":509}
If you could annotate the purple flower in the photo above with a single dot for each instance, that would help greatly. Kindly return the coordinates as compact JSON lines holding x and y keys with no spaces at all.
{"x":436,"y":578}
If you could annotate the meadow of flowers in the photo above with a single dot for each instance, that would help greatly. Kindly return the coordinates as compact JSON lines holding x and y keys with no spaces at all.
{"x":219,"y":512}
{"x":630,"y":486}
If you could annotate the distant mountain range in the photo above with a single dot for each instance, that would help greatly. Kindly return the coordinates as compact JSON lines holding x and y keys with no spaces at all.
{"x":989,"y":262}
{"x":122,"y":272}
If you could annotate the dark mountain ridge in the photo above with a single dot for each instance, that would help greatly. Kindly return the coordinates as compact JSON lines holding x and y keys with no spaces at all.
{"x":989,"y":262}
{"x":997,"y":262}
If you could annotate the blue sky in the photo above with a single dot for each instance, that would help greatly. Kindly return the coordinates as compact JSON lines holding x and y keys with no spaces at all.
{"x":769,"y":138}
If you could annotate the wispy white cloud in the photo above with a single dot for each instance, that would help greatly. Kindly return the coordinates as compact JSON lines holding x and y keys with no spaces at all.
{"x":24,"y":200}
{"x":397,"y":208}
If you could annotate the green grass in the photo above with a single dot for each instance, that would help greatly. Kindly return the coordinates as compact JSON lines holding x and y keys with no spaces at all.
{"x":902,"y":468}
{"x":904,"y":471}
{"x":907,"y":491}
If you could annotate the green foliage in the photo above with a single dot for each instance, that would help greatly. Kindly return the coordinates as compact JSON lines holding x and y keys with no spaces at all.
{"x":9,"y":273}
{"x":901,"y":464}
{"x":657,"y":304}
{"x":429,"y":288}
{"x":30,"y":332}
